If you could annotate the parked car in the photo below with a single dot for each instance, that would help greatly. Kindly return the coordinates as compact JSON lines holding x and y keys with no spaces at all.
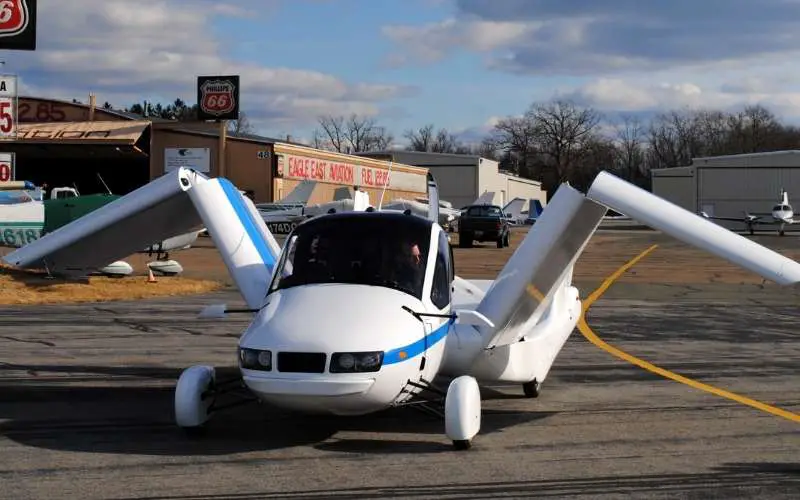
{"x":483,"y":223}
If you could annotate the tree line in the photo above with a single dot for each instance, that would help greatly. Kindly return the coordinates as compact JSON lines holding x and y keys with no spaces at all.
{"x":556,"y":141}
{"x":559,"y":141}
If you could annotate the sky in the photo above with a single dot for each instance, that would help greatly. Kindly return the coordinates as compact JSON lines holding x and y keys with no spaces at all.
{"x":458,"y":64}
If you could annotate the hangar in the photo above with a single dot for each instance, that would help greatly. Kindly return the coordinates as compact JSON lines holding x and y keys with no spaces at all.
{"x":462,"y":178}
{"x":64,"y":143}
{"x":729,"y":185}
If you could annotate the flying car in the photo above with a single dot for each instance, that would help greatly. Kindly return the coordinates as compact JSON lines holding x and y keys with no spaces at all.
{"x":362,"y":311}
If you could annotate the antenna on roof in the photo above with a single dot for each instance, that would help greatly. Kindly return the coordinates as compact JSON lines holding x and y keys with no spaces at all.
{"x":380,"y":202}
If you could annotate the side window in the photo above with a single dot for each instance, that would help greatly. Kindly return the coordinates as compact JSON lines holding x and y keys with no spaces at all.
{"x":440,"y":288}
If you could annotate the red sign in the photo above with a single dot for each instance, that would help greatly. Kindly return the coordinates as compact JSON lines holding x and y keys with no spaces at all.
{"x":299,"y":167}
{"x":6,"y":167}
{"x":349,"y":174}
{"x":217,"y":97}
{"x":14,"y":17}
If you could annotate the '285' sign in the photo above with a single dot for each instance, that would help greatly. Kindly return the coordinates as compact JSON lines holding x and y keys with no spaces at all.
{"x":218,"y":97}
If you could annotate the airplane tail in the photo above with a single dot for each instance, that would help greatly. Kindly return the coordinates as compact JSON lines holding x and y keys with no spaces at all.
{"x":301,"y":193}
{"x":534,"y":208}
{"x":178,"y":202}
{"x":514,"y":208}
{"x":784,"y":197}
{"x":540,"y":269}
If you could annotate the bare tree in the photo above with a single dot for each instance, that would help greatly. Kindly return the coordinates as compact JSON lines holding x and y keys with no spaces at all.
{"x":514,"y":138}
{"x":353,"y":134}
{"x":441,"y":141}
{"x":630,"y":147}
{"x":562,"y":132}
{"x":241,"y":126}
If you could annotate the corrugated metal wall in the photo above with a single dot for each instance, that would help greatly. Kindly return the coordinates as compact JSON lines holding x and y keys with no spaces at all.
{"x":730,"y":191}
{"x":677,"y":185}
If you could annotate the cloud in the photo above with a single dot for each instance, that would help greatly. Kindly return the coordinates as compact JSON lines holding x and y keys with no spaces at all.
{"x":628,"y":55}
{"x":588,"y":36}
{"x":126,"y":51}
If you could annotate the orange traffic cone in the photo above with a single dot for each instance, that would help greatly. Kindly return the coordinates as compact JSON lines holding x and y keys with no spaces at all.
{"x":150,"y":277}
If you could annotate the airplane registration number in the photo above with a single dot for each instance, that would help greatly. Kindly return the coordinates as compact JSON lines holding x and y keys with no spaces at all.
{"x":281,"y":227}
{"x":19,"y":236}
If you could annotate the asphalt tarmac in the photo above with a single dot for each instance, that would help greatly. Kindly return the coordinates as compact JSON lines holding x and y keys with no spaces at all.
{"x":86,"y":405}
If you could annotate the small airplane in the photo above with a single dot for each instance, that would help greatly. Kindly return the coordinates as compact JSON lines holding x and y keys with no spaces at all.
{"x":782,"y":214}
{"x":362,"y":311}
{"x":283,"y":216}
{"x":25,"y":215}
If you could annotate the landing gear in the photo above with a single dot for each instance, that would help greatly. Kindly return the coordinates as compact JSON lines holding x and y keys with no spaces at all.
{"x":532,"y":388}
{"x":196,"y":397}
{"x":462,"y":408}
{"x":462,"y":411}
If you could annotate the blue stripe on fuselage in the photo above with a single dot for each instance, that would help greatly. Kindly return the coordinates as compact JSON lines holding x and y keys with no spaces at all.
{"x":418,"y":347}
{"x":246,"y":218}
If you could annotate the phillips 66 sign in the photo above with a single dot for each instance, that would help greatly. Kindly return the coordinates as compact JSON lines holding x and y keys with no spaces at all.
{"x":17,"y":24}
{"x":218,"y":97}
{"x":8,"y":107}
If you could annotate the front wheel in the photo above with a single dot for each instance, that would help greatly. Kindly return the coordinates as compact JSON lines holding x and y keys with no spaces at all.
{"x":462,"y":411}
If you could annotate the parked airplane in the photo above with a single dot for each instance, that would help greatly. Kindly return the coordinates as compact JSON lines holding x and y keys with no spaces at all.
{"x":782,"y":214}
{"x":359,"y":312}
{"x":283,"y":216}
{"x":25,"y":215}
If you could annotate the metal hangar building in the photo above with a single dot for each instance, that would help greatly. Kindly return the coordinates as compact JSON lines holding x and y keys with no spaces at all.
{"x":462,"y":178}
{"x":727,"y":186}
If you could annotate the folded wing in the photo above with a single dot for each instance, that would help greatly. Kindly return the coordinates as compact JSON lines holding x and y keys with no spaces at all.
{"x":179,"y":201}
{"x":543,"y":263}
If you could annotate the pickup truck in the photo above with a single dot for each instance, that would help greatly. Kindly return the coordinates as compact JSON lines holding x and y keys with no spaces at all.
{"x":483,"y":223}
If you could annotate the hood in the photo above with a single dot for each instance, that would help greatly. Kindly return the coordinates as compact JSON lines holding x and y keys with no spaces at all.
{"x":335,"y":317}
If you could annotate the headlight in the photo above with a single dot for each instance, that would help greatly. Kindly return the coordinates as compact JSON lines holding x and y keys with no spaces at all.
{"x":255,"y":359}
{"x":352,"y":362}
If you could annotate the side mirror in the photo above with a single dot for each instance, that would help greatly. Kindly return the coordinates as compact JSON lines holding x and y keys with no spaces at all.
{"x":471,"y":317}
{"x":213,"y":311}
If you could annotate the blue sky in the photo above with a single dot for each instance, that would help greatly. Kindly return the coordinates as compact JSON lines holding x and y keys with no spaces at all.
{"x":458,"y":64}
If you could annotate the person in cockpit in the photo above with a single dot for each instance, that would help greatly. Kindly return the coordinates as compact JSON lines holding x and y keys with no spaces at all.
{"x":409,"y":271}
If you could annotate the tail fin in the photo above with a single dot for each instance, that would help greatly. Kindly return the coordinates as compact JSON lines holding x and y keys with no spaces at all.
{"x":176,"y":203}
{"x":360,"y":201}
{"x":526,"y":284}
{"x":433,"y":199}
{"x":537,"y":205}
{"x":784,"y":197}
{"x":487,"y":198}
{"x":301,"y":193}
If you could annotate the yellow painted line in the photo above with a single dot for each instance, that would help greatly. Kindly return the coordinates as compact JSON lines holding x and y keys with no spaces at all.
{"x":594,"y":339}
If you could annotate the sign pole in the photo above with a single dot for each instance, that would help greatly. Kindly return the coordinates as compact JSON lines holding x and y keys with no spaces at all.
{"x":223,"y":136}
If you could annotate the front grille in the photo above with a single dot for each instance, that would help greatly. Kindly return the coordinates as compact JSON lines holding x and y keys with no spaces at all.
{"x":301,"y":362}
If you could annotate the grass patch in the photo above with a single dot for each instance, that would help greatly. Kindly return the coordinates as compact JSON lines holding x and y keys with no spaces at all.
{"x":29,"y":287}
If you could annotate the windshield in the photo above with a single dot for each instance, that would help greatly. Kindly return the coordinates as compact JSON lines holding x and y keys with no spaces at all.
{"x":14,"y":197}
{"x":484,"y":211}
{"x":374,"y":250}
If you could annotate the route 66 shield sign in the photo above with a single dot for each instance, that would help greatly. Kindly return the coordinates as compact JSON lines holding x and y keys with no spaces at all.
{"x":18,"y":24}
{"x":218,"y":97}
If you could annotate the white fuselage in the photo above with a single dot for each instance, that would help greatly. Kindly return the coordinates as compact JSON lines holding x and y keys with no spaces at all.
{"x":342,"y":318}
{"x":783,"y":213}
